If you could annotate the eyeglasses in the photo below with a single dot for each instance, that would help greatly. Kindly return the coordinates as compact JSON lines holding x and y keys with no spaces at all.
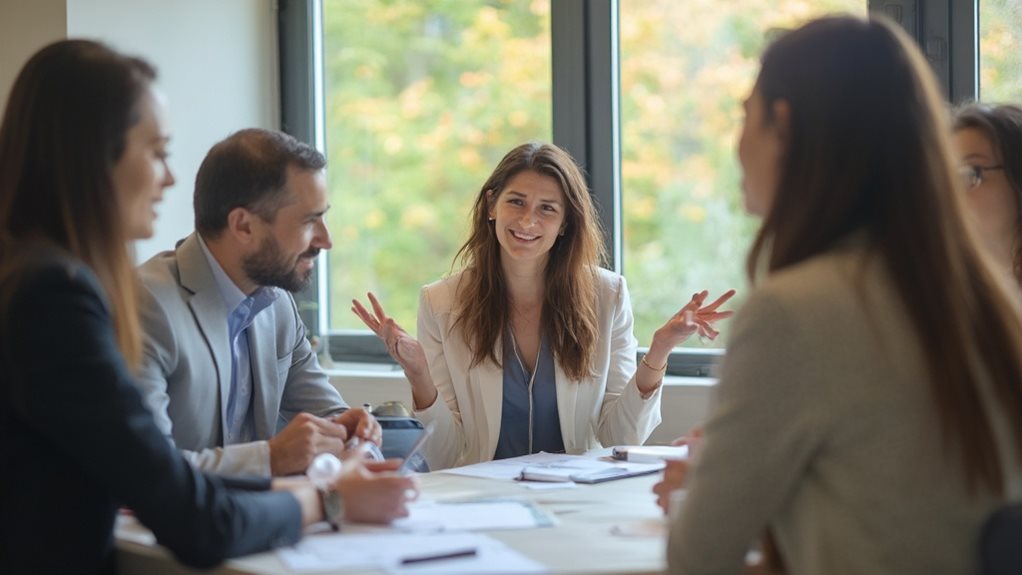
{"x":972,"y":176}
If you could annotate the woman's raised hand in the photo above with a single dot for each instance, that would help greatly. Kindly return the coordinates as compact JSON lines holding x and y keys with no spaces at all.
{"x":404,"y":348}
{"x":695,"y":317}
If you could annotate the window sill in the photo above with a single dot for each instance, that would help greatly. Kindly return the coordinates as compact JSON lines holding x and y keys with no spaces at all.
{"x":684,"y":401}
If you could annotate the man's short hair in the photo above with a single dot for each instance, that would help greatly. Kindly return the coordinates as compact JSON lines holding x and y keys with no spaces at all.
{"x":248,"y":170}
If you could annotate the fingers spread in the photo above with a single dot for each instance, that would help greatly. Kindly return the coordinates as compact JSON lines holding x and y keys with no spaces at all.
{"x":719,"y":301}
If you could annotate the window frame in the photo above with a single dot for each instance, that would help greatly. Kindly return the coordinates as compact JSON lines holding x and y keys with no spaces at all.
{"x":586,"y":120}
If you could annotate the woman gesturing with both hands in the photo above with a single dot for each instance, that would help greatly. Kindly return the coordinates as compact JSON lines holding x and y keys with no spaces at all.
{"x":530,"y":345}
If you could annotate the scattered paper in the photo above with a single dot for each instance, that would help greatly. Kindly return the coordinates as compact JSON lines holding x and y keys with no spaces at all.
{"x":387,"y":551}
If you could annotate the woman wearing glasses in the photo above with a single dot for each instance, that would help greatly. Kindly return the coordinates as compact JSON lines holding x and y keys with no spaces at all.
{"x":989,"y":141}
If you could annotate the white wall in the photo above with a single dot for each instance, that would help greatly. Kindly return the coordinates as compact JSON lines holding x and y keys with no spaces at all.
{"x":217,"y":62}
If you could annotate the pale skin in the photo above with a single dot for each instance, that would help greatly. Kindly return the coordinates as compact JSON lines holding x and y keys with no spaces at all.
{"x":528,"y":215}
{"x":993,"y":203}
{"x":306,"y":436}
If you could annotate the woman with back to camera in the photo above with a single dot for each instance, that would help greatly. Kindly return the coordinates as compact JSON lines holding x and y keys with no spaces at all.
{"x":529,"y":347}
{"x":83,"y":154}
{"x":869,"y":408}
{"x":989,"y":142}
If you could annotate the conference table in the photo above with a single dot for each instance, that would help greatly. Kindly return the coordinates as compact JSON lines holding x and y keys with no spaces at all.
{"x":611,"y":527}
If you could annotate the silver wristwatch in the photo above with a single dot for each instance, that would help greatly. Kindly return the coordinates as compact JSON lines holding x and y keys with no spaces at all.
{"x":333,"y":507}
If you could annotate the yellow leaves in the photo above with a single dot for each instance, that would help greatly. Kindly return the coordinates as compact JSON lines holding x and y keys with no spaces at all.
{"x":474,"y":79}
{"x":418,"y":216}
{"x":642,"y":207}
{"x":469,"y":158}
{"x":487,"y":26}
{"x":411,"y":98}
{"x":393,"y":144}
{"x":375,"y":218}
{"x":692,"y":213}
{"x":518,"y":118}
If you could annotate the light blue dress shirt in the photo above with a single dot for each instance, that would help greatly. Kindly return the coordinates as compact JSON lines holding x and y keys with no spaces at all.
{"x":237,"y":413}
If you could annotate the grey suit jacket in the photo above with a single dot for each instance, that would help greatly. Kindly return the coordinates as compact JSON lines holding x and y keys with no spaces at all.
{"x":186,"y":371}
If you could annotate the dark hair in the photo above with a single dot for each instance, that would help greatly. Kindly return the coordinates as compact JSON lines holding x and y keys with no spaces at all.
{"x":1002,"y":125}
{"x":869,"y":149}
{"x":63,"y":132}
{"x":248,"y":170}
{"x":570,"y":315}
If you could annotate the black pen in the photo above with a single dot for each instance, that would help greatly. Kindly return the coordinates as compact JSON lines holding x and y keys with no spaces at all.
{"x":439,"y":556}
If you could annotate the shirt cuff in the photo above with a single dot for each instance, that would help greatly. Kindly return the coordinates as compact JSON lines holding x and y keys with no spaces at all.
{"x":263,"y":458}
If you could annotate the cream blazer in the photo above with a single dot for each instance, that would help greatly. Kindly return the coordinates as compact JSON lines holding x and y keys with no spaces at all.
{"x":597,"y":411}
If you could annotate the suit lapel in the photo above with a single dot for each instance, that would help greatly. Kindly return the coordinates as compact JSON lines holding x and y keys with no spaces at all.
{"x":489,"y":382}
{"x":207,"y":305}
{"x":567,"y":401}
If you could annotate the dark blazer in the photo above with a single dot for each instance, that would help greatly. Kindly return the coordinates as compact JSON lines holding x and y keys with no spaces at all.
{"x":77,"y":442}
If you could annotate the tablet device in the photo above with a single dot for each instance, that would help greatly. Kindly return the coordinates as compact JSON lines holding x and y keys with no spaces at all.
{"x":414,"y":455}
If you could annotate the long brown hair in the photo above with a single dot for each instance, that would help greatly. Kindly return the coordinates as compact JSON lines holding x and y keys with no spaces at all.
{"x":570,"y":314}
{"x":869,"y":149}
{"x":1002,"y":125}
{"x":63,"y":131}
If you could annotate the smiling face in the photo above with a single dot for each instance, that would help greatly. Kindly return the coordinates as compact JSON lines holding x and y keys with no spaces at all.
{"x":141,"y":173}
{"x":528,"y":215}
{"x":993,"y":203}
{"x":288,"y":247}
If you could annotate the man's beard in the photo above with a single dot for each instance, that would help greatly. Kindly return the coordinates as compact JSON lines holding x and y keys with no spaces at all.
{"x":271,"y":267}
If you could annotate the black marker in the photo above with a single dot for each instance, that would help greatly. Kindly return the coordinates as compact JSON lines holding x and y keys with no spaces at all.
{"x":439,"y":556}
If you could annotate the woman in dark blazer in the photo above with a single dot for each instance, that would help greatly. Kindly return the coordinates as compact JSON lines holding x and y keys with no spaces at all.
{"x":82,"y":164}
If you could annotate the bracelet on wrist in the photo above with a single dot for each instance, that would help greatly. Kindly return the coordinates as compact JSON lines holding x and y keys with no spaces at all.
{"x":656,"y":369}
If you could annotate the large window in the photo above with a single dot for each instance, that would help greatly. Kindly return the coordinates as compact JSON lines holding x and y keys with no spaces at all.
{"x":682,"y":84}
{"x":1000,"y":50}
{"x":422,"y":99}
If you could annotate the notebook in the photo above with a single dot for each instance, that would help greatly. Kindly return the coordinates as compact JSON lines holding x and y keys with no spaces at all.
{"x":584,"y":470}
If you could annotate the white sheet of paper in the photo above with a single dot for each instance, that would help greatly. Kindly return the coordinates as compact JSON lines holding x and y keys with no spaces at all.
{"x":385,"y":551}
{"x":470,"y":516}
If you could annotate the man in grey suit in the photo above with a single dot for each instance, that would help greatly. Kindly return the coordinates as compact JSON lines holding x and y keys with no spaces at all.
{"x":227,"y":359}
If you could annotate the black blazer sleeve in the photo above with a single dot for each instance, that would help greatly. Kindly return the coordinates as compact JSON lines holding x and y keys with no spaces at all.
{"x":74,"y":396}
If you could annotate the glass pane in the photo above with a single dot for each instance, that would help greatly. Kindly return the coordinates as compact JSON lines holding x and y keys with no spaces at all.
{"x":685,"y":68}
{"x":1000,"y":50}
{"x":423,"y":98}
